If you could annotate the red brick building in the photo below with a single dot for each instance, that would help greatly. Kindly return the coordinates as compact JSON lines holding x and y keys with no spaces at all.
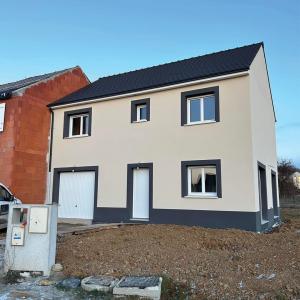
{"x":25,"y":128}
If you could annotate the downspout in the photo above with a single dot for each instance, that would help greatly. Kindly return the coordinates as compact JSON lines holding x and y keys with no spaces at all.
{"x":49,"y":176}
{"x":51,"y":140}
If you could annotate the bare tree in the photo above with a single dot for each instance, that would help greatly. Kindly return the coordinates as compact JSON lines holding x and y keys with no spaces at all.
{"x":287,"y":189}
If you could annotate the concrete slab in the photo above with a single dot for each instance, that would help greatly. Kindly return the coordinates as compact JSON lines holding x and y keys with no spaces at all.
{"x":143,"y":286}
{"x":99,"y":283}
{"x":63,"y":229}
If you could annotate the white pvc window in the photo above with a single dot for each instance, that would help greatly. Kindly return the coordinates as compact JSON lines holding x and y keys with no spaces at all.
{"x":141,"y":113}
{"x":79,"y":125}
{"x":2,"y":113}
{"x":202,"y":181}
{"x":201,"y":109}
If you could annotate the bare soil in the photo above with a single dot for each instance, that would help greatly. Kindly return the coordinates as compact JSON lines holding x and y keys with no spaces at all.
{"x":206,"y":263}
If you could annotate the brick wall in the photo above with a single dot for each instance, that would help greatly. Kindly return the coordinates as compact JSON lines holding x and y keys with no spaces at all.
{"x":24,"y":142}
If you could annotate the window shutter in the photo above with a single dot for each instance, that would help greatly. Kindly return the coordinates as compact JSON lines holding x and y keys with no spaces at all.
{"x":2,"y":112}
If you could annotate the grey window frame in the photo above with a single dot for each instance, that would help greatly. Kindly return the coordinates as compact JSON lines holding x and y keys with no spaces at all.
{"x":199,"y":93}
{"x":274,"y":193}
{"x":69,"y":114}
{"x":200,"y":163}
{"x":262,"y":191}
{"x":135,"y":104}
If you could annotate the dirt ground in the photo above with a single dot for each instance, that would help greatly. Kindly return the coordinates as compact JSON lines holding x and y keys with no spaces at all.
{"x":204,"y":263}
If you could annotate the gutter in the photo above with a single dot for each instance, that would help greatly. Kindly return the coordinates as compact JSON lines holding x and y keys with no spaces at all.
{"x":152,"y":90}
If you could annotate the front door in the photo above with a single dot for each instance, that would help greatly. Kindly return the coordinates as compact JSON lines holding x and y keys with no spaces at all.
{"x":140,"y":205}
{"x":76,"y":195}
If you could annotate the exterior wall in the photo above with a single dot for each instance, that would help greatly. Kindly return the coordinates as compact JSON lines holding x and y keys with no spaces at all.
{"x":263,"y":128}
{"x":25,"y":139}
{"x":116,"y":142}
{"x":7,"y":140}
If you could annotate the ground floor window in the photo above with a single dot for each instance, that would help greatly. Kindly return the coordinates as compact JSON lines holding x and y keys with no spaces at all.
{"x":202,"y":181}
{"x":201,"y":178}
{"x":262,"y":189}
{"x":274,"y":193}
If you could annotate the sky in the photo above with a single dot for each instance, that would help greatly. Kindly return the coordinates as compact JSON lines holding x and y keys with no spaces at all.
{"x":109,"y":37}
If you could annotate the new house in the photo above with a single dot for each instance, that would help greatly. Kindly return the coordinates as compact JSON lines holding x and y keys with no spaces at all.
{"x":25,"y":128}
{"x":189,"y":142}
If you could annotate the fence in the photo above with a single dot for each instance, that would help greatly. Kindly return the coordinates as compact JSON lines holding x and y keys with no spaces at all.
{"x":291,"y":202}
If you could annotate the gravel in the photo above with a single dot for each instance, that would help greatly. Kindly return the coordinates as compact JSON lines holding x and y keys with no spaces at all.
{"x":207,"y":263}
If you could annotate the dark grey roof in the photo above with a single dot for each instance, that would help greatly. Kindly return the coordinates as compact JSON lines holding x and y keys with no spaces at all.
{"x":13,"y":86}
{"x":205,"y":66}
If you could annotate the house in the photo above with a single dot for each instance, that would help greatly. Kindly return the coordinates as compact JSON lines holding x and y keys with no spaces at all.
{"x":25,"y":128}
{"x":189,"y":142}
{"x":296,"y":179}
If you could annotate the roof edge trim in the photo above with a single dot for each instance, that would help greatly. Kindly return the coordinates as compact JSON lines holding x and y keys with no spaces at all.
{"x":22,"y":89}
{"x":151,"y":90}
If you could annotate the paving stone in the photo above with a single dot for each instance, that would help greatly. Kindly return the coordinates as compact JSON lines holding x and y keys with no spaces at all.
{"x":46,"y":282}
{"x":57,"y":268}
{"x":70,"y":283}
{"x":99,"y":283}
{"x":143,"y":286}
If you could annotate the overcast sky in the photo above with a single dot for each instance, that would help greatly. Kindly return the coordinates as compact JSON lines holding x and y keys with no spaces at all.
{"x":108,"y":37}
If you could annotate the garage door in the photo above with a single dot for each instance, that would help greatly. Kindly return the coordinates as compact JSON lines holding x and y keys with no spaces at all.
{"x":76,"y":195}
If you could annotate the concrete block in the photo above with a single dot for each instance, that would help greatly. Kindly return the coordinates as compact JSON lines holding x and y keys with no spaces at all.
{"x":99,"y":283}
{"x":142,"y":286}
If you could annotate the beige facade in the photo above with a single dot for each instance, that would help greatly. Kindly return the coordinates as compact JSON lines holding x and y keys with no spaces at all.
{"x":262,"y":124}
{"x":244,"y":135}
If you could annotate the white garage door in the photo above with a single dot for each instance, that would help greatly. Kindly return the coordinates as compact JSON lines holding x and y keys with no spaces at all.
{"x":76,"y":195}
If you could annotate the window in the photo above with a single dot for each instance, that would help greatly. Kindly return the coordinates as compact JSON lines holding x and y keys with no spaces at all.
{"x":202,"y":181}
{"x":274,"y":193}
{"x":4,"y":194}
{"x":140,"y":110}
{"x":200,"y":106}
{"x":262,"y":190}
{"x":77,"y":123}
{"x":141,"y":113}
{"x":201,"y":109}
{"x":201,"y":178}
{"x":2,"y":112}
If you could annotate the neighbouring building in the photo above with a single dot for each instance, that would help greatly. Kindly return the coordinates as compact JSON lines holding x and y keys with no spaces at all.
{"x":296,"y":179}
{"x":25,"y":128}
{"x":189,"y":142}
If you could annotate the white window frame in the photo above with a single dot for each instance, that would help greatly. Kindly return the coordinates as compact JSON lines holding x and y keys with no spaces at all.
{"x":138,"y":113}
{"x":81,"y":116}
{"x":2,"y":107}
{"x":202,"y":121}
{"x":203,"y":193}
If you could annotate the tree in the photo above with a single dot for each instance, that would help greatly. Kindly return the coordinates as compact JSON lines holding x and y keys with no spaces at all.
{"x":287,"y":189}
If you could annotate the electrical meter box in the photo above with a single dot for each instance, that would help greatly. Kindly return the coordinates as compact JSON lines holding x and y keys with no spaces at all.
{"x":38,"y":222}
{"x":31,"y":238}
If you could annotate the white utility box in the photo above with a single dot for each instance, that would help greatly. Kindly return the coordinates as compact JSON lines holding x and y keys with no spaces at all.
{"x":31,"y":238}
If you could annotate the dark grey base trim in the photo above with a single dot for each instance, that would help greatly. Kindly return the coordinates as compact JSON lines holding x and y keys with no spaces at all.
{"x":212,"y":219}
{"x":265,"y":226}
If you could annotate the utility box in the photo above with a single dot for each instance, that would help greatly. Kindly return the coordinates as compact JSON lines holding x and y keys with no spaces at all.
{"x":31,"y":238}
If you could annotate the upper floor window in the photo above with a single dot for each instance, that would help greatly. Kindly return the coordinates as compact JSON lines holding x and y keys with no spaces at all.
{"x":2,"y":113}
{"x":140,"y":110}
{"x":200,"y":106}
{"x":201,"y":109}
{"x":77,"y":123}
